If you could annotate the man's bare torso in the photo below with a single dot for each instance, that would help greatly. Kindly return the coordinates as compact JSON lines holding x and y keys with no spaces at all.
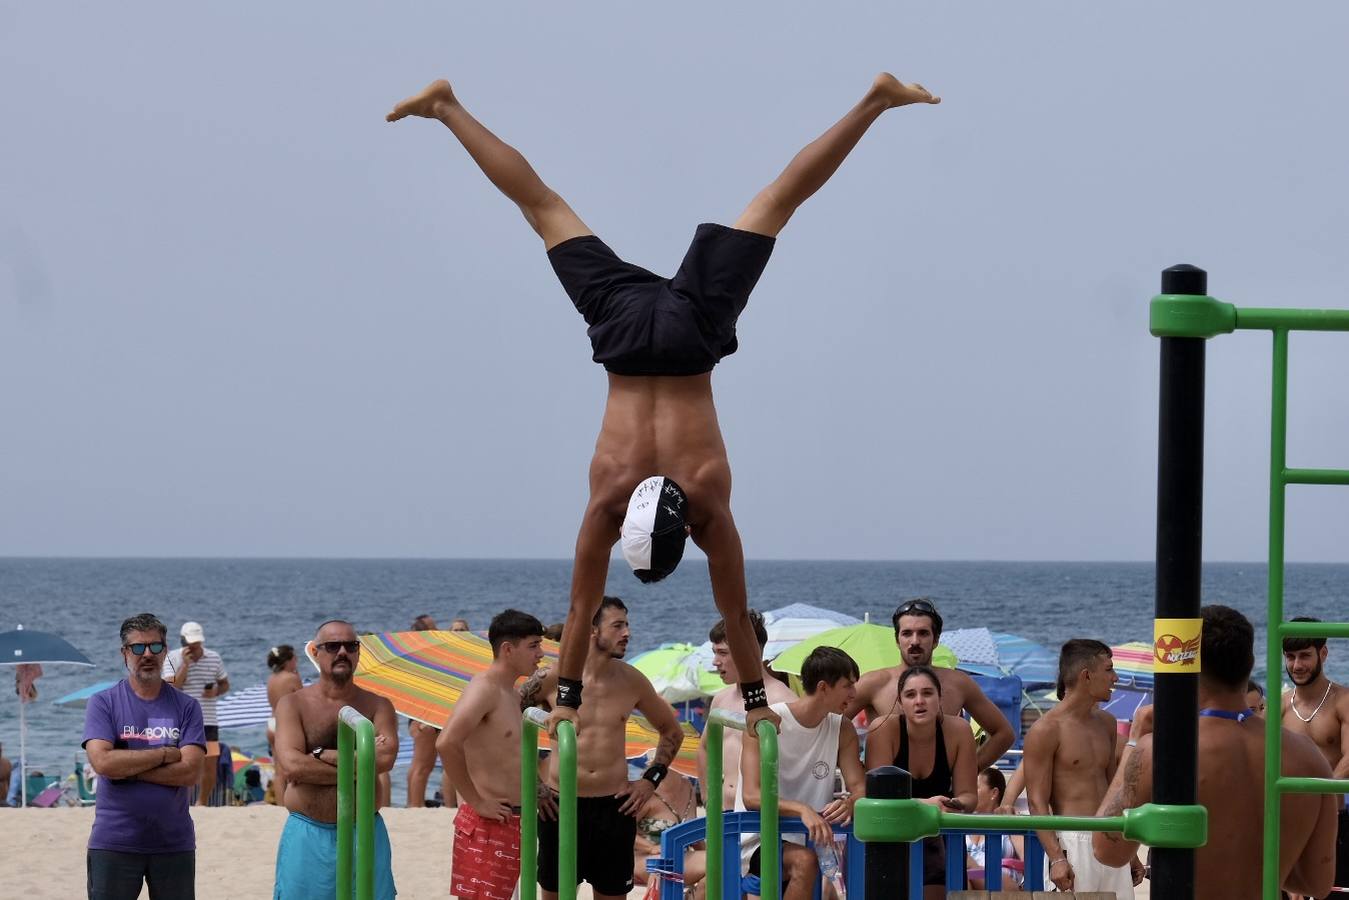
{"x":1231,"y":785}
{"x":611,"y":692}
{"x":663,"y":425}
{"x":1325,"y":728}
{"x":318,"y":716}
{"x":492,"y":750}
{"x":1084,"y":761}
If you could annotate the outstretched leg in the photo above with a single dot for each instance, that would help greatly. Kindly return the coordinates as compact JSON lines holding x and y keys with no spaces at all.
{"x":769,"y":211}
{"x":547,"y":213}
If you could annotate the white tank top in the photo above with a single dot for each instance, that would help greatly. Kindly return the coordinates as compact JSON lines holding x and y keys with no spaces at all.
{"x":807,"y":758}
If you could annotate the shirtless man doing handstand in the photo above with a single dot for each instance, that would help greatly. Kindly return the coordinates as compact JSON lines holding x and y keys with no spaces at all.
{"x":659,"y":339}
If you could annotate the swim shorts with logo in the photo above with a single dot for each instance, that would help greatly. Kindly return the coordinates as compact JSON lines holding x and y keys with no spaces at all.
{"x":486,"y":862}
{"x":643,"y":324}
{"x":603,"y":847}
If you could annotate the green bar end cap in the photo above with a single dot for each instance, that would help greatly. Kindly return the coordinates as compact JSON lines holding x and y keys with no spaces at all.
{"x":895,"y":821}
{"x":1162,"y":825}
{"x":1187,"y":315}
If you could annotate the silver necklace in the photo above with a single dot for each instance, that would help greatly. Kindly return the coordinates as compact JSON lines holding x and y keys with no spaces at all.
{"x":1292,"y":702}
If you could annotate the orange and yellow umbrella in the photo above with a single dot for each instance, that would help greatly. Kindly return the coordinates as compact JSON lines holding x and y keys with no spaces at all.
{"x":423,"y":673}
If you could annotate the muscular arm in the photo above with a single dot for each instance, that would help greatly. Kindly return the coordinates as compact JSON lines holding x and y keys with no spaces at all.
{"x":965,"y":777}
{"x":292,"y":753}
{"x":662,"y":717}
{"x":1131,"y":786}
{"x":183,"y":773}
{"x":850,"y":763}
{"x":717,"y":536}
{"x":386,"y":736}
{"x":537,"y":689}
{"x":1342,"y":767}
{"x":995,"y":725}
{"x":594,"y":543}
{"x":1042,"y":742}
{"x":883,"y":743}
{"x":112,"y":763}
{"x":1313,"y":872}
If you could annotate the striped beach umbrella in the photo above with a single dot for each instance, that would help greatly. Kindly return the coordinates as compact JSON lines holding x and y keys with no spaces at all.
{"x":1133,"y":664}
{"x":424,"y":673}
{"x":243,"y":708}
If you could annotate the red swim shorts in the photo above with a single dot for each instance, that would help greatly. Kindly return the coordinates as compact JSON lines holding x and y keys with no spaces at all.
{"x":486,"y":862}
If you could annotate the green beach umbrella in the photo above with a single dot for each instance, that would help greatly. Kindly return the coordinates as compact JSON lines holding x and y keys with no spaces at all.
{"x":871,"y":646}
{"x":678,"y":672}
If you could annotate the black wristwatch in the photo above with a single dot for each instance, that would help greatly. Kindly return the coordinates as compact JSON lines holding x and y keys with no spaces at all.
{"x":656,"y":772}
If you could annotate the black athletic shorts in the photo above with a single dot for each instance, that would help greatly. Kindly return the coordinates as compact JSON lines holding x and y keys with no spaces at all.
{"x":1342,"y":852}
{"x":643,"y":324}
{"x":604,"y":843}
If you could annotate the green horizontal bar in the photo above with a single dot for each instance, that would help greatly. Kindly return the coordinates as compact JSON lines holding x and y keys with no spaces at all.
{"x":1316,"y":476}
{"x":1314,"y":629}
{"x":963,"y":821}
{"x":1294,"y":319}
{"x":1314,"y":785}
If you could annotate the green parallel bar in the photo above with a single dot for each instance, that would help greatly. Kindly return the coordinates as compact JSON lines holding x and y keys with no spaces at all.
{"x":534,"y":721}
{"x":1314,"y":629}
{"x":1316,"y":476}
{"x":1278,"y":459}
{"x":566,"y":811}
{"x":1314,"y":785}
{"x":529,"y":812}
{"x":355,"y":775}
{"x":1293,"y":319}
{"x":346,"y":808}
{"x":715,"y":788}
{"x":770,"y":843}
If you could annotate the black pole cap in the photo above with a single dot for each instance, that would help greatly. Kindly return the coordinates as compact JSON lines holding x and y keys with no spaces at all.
{"x":1185,"y":279}
{"x":890,"y":783}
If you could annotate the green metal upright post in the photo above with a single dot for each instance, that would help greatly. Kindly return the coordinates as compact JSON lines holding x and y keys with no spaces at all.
{"x":355,"y":776}
{"x":713,"y":733}
{"x":1278,"y":449}
{"x":536,"y":720}
{"x":770,"y":843}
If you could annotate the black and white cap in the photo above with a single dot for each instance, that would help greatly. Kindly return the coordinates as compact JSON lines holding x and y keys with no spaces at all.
{"x":654,"y":530}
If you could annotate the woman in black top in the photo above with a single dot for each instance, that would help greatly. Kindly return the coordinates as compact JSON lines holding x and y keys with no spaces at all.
{"x":937,"y":750}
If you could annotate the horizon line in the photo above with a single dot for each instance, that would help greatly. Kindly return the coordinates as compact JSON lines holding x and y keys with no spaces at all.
{"x":775,"y":559}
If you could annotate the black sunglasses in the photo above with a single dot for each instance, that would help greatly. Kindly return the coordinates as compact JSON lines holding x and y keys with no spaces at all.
{"x":923,"y":606}
{"x":138,"y":648}
{"x":333,"y":646}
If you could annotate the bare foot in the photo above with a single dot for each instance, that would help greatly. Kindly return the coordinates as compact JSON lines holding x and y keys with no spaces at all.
{"x":897,"y":93}
{"x":427,"y":104}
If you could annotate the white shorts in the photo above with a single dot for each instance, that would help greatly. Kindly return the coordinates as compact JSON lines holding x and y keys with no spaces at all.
{"x":1088,"y":873}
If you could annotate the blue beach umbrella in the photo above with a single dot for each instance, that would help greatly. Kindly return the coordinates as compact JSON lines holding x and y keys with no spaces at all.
{"x":23,"y":647}
{"x":79,"y":699}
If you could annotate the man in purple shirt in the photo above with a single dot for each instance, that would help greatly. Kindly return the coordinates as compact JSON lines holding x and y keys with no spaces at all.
{"x":145,"y":740}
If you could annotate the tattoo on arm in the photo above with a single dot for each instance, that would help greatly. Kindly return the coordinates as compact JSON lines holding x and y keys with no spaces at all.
{"x":1124,"y":794}
{"x":667,"y":747}
{"x":530,"y":691}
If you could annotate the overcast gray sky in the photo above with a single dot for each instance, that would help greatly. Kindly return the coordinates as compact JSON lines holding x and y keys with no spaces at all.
{"x":241,"y":315}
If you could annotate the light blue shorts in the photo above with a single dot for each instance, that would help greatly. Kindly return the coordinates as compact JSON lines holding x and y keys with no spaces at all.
{"x":306,"y":861}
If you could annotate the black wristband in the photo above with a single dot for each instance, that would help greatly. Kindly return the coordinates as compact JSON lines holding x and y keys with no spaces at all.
{"x":754,"y":695}
{"x":655,"y":773}
{"x":569,"y":692}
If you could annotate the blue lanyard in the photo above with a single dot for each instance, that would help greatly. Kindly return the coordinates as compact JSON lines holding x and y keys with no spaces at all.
{"x":1227,"y":714}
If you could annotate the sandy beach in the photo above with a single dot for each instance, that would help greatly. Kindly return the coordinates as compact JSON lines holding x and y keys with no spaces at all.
{"x":236,"y":852}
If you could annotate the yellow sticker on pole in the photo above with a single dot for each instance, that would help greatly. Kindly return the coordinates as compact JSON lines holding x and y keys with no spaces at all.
{"x":1175,"y":645}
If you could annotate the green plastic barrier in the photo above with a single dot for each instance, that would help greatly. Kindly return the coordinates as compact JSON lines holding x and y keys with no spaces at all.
{"x":536,"y":720}
{"x":769,"y":839}
{"x":355,"y":804}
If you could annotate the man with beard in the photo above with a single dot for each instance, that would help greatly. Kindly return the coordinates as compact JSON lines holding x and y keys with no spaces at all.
{"x":146,"y":741}
{"x":659,"y":339}
{"x":605,"y":800}
{"x":306,"y":745}
{"x":917,"y":629}
{"x":1232,"y":782}
{"x":1319,"y":708}
{"x":1069,"y":761}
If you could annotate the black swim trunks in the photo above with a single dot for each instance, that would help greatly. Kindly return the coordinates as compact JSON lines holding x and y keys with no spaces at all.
{"x":643,"y":324}
{"x":604,"y":845}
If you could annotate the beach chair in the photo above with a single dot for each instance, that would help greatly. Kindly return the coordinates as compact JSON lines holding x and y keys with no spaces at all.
{"x":43,"y":790}
{"x":86,"y":781}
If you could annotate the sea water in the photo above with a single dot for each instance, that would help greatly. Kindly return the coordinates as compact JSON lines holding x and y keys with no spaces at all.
{"x":248,"y":605}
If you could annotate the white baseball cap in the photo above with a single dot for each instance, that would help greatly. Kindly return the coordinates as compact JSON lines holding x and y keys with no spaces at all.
{"x":192,"y":633}
{"x":654,"y":530}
